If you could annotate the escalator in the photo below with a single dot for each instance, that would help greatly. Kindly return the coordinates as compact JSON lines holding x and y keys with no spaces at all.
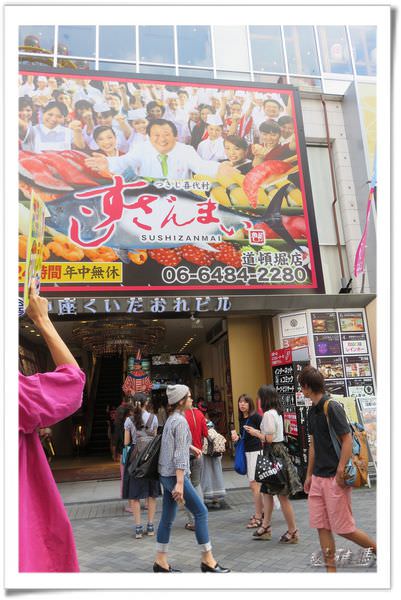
{"x":108,"y":393}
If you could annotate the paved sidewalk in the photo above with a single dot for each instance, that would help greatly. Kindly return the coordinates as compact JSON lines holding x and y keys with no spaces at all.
{"x":105,"y":542}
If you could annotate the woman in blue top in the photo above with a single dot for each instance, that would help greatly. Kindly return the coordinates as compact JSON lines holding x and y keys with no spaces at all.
{"x":174,"y":473}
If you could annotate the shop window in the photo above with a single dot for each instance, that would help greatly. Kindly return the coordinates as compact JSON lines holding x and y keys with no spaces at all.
{"x":334,"y":50}
{"x":119,"y":67}
{"x":232,"y":75}
{"x":363,"y":40}
{"x":336,"y":86}
{"x":282,"y":79}
{"x":36,"y":36}
{"x":194,"y":45}
{"x":157,"y":69}
{"x":117,"y":42}
{"x":83,"y":65}
{"x":28,"y":61}
{"x":301,"y":49}
{"x":156,"y":44}
{"x":78,"y":40}
{"x":204,"y":73}
{"x":308,"y":84}
{"x":267,"y":48}
{"x":231,"y":48}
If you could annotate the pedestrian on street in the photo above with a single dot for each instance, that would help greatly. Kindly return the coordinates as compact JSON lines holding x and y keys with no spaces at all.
{"x":174,"y":473}
{"x":197,"y":425}
{"x":329,"y":497}
{"x":46,"y":539}
{"x":272,"y":432}
{"x":253,"y":446}
{"x":123,"y":411}
{"x":212,"y":478}
{"x":139,"y":429}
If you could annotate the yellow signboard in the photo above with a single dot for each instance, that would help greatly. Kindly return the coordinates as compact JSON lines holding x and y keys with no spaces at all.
{"x":77,"y":272}
{"x":34,"y":247}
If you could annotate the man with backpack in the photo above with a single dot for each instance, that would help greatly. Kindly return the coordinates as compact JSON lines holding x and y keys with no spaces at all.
{"x":329,"y":496}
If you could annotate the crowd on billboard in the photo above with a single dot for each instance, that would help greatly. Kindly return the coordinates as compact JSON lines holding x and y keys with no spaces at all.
{"x":157,"y":130}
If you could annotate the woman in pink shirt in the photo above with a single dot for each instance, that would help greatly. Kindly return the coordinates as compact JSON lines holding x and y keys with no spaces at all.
{"x":46,"y":540}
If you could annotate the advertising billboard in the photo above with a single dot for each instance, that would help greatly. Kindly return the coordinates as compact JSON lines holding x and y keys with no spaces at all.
{"x":166,"y":184}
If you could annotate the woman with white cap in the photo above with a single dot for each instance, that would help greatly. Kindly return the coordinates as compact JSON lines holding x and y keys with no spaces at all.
{"x":138,"y":122}
{"x":213,"y":147}
{"x":177,"y":488}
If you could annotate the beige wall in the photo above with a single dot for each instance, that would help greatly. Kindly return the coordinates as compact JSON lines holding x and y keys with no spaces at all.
{"x":248,"y":357}
{"x":371,"y":319}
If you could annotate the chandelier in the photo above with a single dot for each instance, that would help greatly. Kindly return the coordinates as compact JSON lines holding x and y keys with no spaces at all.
{"x":114,"y":336}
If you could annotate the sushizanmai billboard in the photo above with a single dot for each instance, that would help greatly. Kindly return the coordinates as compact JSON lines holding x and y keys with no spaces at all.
{"x":165,"y":184}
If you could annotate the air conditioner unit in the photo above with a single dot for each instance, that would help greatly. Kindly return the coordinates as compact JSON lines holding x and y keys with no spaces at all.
{"x":216,"y":332}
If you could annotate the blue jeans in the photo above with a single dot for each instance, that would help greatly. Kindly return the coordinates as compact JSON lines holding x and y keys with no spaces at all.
{"x":169,"y":512}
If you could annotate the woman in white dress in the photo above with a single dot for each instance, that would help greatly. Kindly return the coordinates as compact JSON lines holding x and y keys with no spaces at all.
{"x":51,"y":134}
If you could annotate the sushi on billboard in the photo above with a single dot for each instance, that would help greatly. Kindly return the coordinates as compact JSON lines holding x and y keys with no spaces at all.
{"x":180,"y":184}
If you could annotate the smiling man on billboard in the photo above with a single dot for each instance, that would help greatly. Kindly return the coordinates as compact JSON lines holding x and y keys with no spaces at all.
{"x":161,"y":157}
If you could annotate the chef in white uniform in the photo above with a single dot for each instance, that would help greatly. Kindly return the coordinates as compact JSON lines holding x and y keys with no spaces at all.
{"x":212,"y":148}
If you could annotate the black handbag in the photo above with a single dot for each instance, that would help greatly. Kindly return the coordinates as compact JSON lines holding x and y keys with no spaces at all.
{"x":145,"y":463}
{"x":270,"y":471}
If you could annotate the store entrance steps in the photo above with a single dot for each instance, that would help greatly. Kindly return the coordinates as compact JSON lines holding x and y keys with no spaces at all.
{"x":108,"y":392}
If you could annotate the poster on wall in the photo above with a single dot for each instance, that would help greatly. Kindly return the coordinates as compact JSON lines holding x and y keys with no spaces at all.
{"x":357,"y":366}
{"x":290,"y":423}
{"x":361,"y":388}
{"x":367,"y":409}
{"x":144,"y":192}
{"x":354,"y":343}
{"x":327,"y":345}
{"x":349,"y":404}
{"x":296,"y":343}
{"x":325,"y":322}
{"x":331,"y":368}
{"x":351,"y":321}
{"x":336,"y":387}
{"x":294,"y":325}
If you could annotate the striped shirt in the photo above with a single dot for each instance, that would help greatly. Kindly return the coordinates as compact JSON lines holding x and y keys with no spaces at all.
{"x":174,"y":451}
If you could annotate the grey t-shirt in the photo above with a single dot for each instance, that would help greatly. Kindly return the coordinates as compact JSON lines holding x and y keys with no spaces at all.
{"x":129,"y":424}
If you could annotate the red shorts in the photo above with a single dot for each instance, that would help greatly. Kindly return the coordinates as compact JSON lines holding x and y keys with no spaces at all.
{"x":330,"y":506}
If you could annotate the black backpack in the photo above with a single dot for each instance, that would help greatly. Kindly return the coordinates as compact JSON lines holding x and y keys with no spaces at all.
{"x":145,"y":463}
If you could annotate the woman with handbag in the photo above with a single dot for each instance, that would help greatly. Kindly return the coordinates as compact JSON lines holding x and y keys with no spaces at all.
{"x":248,"y":416}
{"x":271,"y":432}
{"x":138,"y":431}
{"x":212,"y":479}
{"x":174,"y":471}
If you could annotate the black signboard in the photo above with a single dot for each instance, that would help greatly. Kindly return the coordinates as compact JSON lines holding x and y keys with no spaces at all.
{"x":327,"y":345}
{"x":325,"y":322}
{"x":331,"y":367}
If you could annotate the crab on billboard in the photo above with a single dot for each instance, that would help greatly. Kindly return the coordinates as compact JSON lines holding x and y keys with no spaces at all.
{"x":166,"y":184}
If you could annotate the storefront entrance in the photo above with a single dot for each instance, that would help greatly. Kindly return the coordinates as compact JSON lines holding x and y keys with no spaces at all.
{"x":218,"y":358}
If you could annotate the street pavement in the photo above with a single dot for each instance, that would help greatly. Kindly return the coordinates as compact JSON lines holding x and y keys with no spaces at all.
{"x":104,"y":535}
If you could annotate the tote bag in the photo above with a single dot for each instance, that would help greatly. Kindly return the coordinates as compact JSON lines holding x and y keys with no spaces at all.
{"x":240,"y":458}
{"x":270,"y":471}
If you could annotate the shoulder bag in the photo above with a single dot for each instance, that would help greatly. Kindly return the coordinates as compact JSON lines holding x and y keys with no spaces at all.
{"x":240,"y":465}
{"x":356,"y":469}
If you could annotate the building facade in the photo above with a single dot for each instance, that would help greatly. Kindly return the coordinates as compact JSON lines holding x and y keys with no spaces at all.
{"x":334,"y":68}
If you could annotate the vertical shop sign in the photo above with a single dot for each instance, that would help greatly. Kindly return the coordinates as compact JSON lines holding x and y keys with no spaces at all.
{"x":34,"y":246}
{"x":285,"y":380}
